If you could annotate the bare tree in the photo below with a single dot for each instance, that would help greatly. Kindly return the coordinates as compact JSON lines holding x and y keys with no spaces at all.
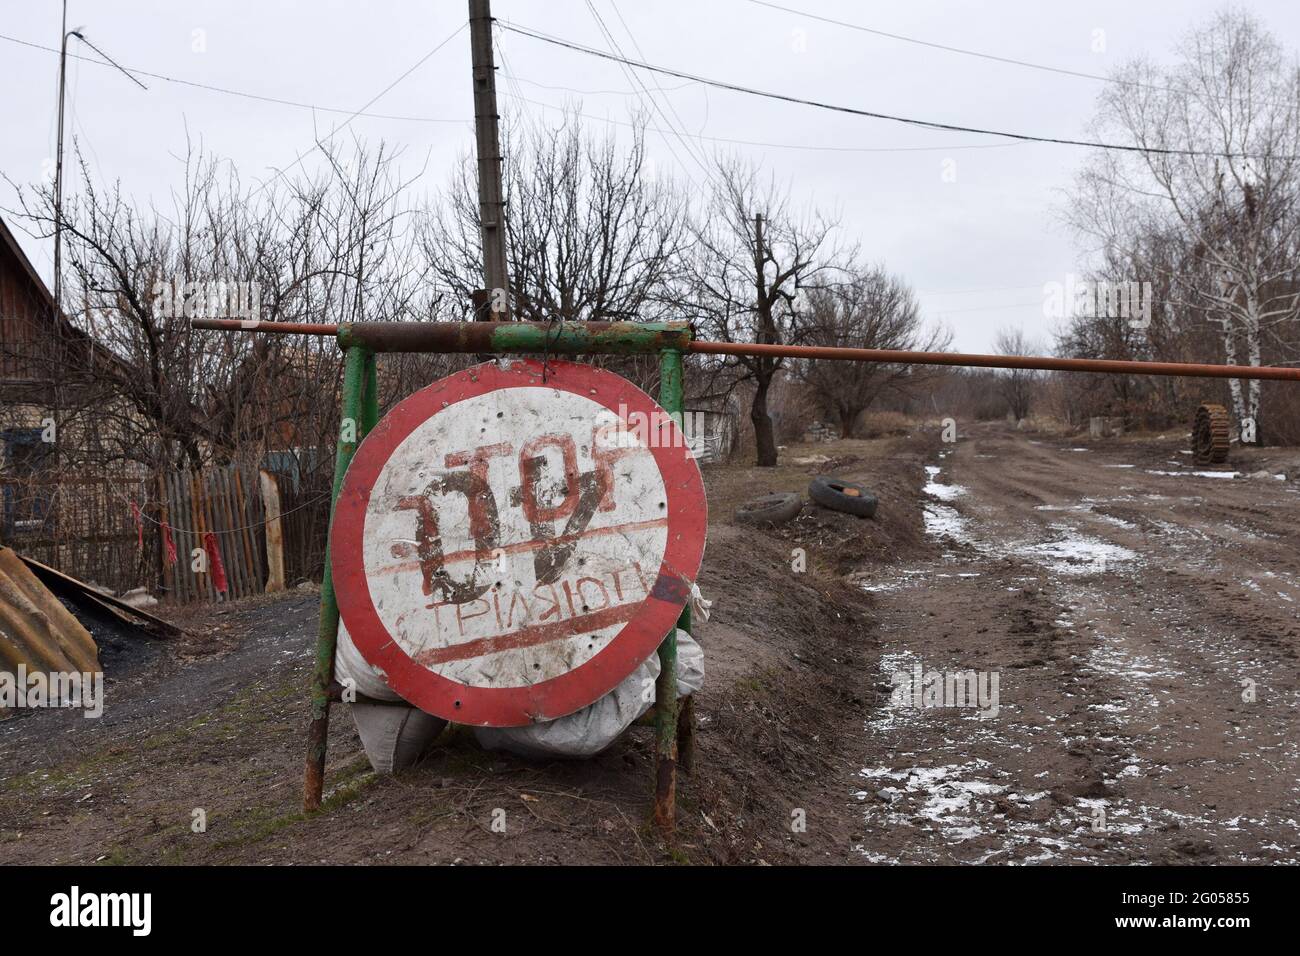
{"x":1222,"y":172}
{"x":871,"y":310}
{"x":752,"y":259}
{"x":591,"y":234}
{"x":333,"y":247}
{"x":1017,"y":385}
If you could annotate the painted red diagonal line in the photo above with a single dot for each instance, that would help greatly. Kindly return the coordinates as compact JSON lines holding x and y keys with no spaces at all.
{"x":529,"y":636}
{"x":534,"y":545}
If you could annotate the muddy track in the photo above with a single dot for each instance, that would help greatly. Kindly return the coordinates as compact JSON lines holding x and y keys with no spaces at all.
{"x":1120,"y":599}
{"x":1129,"y":608}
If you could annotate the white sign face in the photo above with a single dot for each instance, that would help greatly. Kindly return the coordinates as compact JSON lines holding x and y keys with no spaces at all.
{"x":507,"y":539}
{"x":521,"y":510}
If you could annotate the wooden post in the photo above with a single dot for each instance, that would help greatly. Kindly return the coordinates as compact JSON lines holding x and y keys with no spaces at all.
{"x":274,"y":531}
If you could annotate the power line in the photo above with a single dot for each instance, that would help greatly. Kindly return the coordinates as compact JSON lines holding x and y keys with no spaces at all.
{"x":229,"y":92}
{"x":956,"y":49}
{"x":764,"y":144}
{"x":346,"y":123}
{"x":569,"y":89}
{"x":510,"y":75}
{"x":653,"y":103}
{"x":641,"y":53}
{"x":856,"y":111}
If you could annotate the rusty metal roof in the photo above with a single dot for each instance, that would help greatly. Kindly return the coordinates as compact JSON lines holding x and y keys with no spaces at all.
{"x":36,"y":630}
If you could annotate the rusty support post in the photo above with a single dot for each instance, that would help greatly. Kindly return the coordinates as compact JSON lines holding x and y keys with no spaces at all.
{"x":358,"y":370}
{"x":666,"y":729}
{"x":686,"y":734}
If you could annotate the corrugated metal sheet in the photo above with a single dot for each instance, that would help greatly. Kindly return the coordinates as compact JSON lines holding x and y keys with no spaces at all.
{"x":35,"y":629}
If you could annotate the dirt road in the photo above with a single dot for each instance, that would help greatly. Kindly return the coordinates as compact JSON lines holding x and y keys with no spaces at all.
{"x":1119,"y":599}
{"x":1140,"y":616}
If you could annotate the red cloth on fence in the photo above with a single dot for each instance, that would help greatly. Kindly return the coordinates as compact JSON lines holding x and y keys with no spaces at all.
{"x":214,"y":561}
{"x":169,"y":546}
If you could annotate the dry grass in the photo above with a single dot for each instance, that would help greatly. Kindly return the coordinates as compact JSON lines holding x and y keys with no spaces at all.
{"x":884,"y":425}
{"x":731,"y":484}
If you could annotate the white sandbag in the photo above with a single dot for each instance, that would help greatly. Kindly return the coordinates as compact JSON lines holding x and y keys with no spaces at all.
{"x":395,"y":736}
{"x":588,"y":731}
{"x":690,"y":664}
{"x":349,"y":665}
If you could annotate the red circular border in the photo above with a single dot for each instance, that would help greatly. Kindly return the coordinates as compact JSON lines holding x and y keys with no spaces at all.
{"x":639,"y":637}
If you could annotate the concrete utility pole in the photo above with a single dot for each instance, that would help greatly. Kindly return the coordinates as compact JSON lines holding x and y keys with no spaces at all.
{"x":58,"y":173}
{"x":494,"y":302}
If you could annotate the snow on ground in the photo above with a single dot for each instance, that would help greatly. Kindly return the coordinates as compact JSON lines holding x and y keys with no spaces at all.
{"x":1195,"y":474}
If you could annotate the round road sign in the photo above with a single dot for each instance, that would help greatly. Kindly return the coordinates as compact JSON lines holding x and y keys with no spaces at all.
{"x":509,"y":545}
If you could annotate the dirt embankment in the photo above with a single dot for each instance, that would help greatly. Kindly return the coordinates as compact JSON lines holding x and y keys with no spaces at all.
{"x":214,"y":727}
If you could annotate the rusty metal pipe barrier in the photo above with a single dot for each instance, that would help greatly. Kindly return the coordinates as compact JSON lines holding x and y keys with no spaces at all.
{"x":969,"y":360}
{"x":556,"y":338}
{"x":636,"y":337}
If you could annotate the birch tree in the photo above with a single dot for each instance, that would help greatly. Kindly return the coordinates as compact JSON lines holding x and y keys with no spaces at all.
{"x":1219,"y":132}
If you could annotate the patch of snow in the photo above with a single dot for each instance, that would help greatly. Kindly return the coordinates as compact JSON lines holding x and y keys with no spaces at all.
{"x":1079,"y":554}
{"x":942,"y":521}
{"x":1196,"y":474}
{"x":936,"y":489}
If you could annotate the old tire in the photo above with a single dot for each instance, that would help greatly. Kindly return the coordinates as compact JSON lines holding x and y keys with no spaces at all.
{"x":840,"y":495}
{"x":1210,"y":435}
{"x":770,"y":509}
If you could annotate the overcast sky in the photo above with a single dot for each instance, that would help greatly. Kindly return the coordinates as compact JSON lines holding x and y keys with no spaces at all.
{"x":978,"y":249}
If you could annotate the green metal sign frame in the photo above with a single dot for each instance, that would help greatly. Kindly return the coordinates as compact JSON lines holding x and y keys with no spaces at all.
{"x":674,"y":723}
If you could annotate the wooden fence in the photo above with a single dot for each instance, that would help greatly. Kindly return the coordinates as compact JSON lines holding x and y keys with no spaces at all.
{"x":306,"y":523}
{"x":215,"y":520}
{"x":113,"y":531}
{"x":82,"y":526}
